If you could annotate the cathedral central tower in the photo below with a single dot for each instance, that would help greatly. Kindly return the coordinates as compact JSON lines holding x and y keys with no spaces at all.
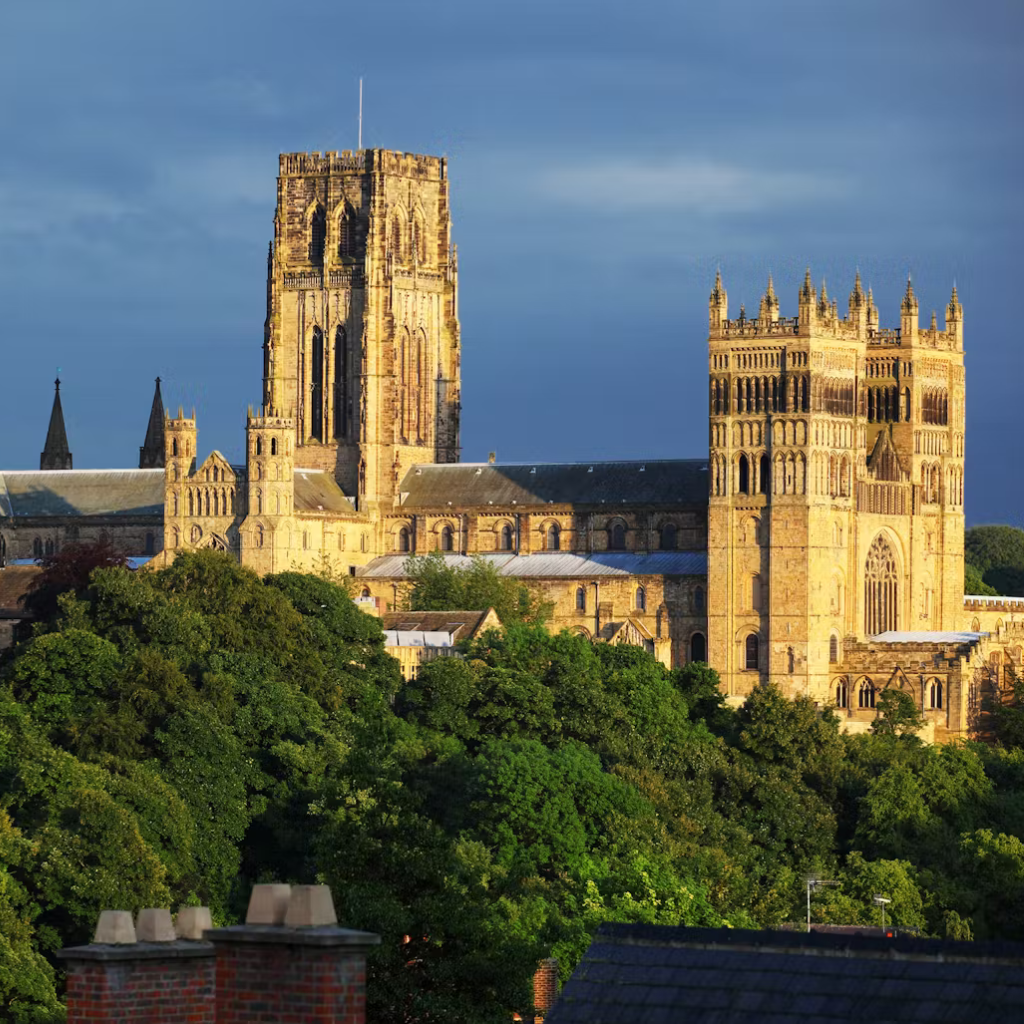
{"x":361,"y":341}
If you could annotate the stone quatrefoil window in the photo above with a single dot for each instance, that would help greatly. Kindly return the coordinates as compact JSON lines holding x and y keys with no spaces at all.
{"x":881,"y":589}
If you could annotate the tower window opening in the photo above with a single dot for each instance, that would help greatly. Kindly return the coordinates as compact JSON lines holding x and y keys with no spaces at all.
{"x":842,"y":699}
{"x":617,"y":537}
{"x":765,"y":475}
{"x":751,"y":652}
{"x":316,"y":428}
{"x":317,"y":236}
{"x":698,"y":647}
{"x":833,"y":649}
{"x":340,"y":381}
{"x":273,"y":446}
{"x":744,"y":475}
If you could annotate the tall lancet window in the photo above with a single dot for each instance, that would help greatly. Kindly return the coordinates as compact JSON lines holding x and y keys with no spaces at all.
{"x":340,"y":381}
{"x":881,"y":588}
{"x":316,"y":404}
{"x":317,"y":236}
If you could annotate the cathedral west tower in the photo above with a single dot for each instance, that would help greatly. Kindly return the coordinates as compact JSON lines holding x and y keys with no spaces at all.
{"x":361,"y":341}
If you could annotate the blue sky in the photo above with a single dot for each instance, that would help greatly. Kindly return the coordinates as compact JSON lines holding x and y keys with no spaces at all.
{"x":605,"y":159}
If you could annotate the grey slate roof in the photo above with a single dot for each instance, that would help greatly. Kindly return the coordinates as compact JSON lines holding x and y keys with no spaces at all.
{"x":644,"y":974}
{"x":927,"y":636}
{"x":317,"y":491}
{"x":562,"y":564}
{"x":657,"y":482}
{"x":82,"y":492}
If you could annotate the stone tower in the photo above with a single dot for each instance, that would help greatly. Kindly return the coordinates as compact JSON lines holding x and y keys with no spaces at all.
{"x":361,"y":341}
{"x":836,"y":483}
{"x":180,"y":438}
{"x":55,"y":453}
{"x":270,"y":462}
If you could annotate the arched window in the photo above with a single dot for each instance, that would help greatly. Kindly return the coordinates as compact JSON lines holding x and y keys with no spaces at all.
{"x":581,"y":599}
{"x":641,"y":599}
{"x":865,"y":694}
{"x":174,"y":447}
{"x":881,"y":589}
{"x":698,"y":600}
{"x":744,"y":475}
{"x":447,"y":538}
{"x":197,"y":534}
{"x":403,"y":539}
{"x":833,"y":649}
{"x":552,"y":538}
{"x":842,"y":699}
{"x":935,"y":695}
{"x":340,"y":382}
{"x":765,"y":474}
{"x":698,"y":647}
{"x":175,"y":537}
{"x":259,"y":503}
{"x":505,"y":538}
{"x":365,"y":592}
{"x":617,"y":537}
{"x":751,"y":652}
{"x":316,"y":426}
{"x":317,"y":236}
{"x":668,"y":541}
{"x":273,"y":446}
{"x":396,"y":237}
{"x":790,"y":660}
{"x":419,"y":238}
{"x":259,"y":535}
{"x":49,"y":547}
{"x":346,"y":233}
{"x":259,"y":446}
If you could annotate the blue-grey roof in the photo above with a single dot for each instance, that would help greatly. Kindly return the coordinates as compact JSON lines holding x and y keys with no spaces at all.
{"x":927,"y":636}
{"x":82,"y":492}
{"x":643,"y":974}
{"x":562,"y":564}
{"x":317,"y":491}
{"x":467,"y":485}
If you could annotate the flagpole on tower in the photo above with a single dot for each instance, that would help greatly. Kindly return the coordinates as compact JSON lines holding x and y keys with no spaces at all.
{"x":360,"y":113}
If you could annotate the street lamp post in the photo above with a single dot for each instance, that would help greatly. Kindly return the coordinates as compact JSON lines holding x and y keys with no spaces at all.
{"x":881,"y":901}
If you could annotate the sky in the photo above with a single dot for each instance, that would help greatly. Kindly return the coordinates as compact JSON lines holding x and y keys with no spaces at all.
{"x":605,"y":160}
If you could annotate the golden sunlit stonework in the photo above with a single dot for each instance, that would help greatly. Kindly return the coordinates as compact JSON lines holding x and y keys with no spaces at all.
{"x":819,"y":546}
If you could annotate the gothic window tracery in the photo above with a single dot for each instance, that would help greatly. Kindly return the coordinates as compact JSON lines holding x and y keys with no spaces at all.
{"x":935,"y":695}
{"x":881,"y":588}
{"x":842,"y":699}
{"x":866,"y":694}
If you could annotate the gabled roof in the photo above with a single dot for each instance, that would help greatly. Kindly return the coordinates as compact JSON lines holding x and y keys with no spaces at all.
{"x":644,"y":974}
{"x":561,"y":564}
{"x":15,"y":583}
{"x":456,"y":625}
{"x":884,"y":461}
{"x":318,"y":491}
{"x":82,"y":492}
{"x":655,"y":482}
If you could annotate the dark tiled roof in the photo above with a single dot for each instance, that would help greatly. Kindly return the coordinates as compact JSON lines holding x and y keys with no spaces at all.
{"x":642,"y":974}
{"x":82,"y":492}
{"x":561,"y":564}
{"x":15,"y":582}
{"x":661,"y":482}
{"x":461,"y":625}
{"x":317,"y":491}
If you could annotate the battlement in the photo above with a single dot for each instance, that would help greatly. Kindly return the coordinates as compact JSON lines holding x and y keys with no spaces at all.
{"x":984,"y":603}
{"x":414,"y":165}
{"x":267,"y":419}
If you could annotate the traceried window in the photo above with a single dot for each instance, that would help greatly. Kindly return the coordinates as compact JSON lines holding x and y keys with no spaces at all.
{"x":935,"y":695}
{"x":842,"y":699}
{"x":881,"y":589}
{"x":865,"y":694}
{"x":751,"y":651}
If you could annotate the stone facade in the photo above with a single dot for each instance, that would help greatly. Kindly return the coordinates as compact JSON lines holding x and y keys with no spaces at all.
{"x":829,"y":509}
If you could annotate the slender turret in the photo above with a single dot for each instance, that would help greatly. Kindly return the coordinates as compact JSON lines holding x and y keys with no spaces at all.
{"x":151,"y":454}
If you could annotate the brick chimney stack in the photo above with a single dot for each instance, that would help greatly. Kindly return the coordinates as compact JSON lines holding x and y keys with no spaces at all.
{"x":289,"y":962}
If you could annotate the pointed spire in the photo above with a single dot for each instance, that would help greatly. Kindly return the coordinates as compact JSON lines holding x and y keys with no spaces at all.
{"x":771,"y":288}
{"x":823,"y":303}
{"x":719,"y":290}
{"x":151,"y":454}
{"x":910,"y":299}
{"x":56,"y":454}
{"x":935,"y":322}
{"x":807,"y":292}
{"x":857,"y":295}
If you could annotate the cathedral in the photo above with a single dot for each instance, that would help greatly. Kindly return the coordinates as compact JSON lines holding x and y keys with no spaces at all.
{"x":819,"y":545}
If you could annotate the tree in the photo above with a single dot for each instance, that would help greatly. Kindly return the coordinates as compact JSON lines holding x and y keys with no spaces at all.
{"x":70,"y":569}
{"x":997,"y":553}
{"x":974,"y":582}
{"x":898,"y":714}
{"x":439,"y":586}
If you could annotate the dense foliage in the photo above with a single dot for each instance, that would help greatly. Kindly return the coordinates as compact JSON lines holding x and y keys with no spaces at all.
{"x":994,"y":560}
{"x":174,"y":736}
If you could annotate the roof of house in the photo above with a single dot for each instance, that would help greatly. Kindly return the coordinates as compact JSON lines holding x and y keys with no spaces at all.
{"x":656,"y":482}
{"x":561,"y":564}
{"x":644,"y":974}
{"x":435,"y":629}
{"x":15,"y":583}
{"x":317,"y":491}
{"x":82,"y":492}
